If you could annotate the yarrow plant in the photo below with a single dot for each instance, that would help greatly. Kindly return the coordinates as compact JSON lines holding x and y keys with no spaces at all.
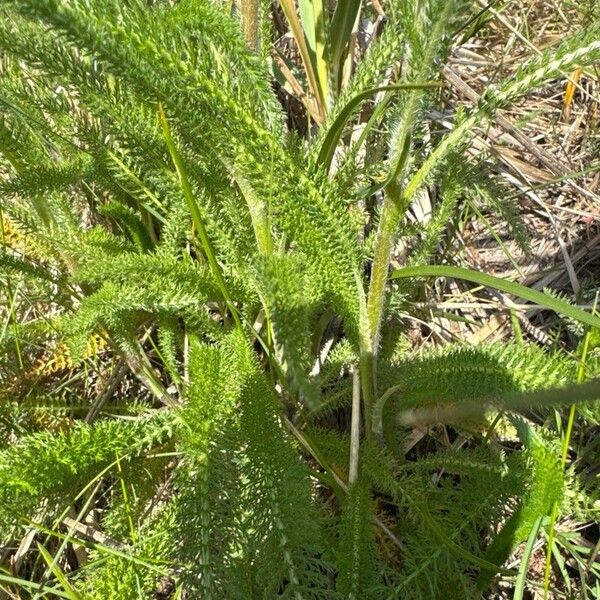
{"x":162,"y":223}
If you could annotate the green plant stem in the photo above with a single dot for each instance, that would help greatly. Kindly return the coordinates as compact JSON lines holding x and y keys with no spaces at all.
{"x":354,"y":428}
{"x":548,"y":563}
{"x":496,"y":237}
{"x":563,"y":462}
{"x":337,"y":128}
{"x":394,"y":204}
{"x":197,"y":216}
{"x":127,"y":505}
{"x":490,"y":430}
{"x":378,"y":407}
{"x":12,"y":298}
{"x":139,"y":364}
{"x":58,"y":573}
{"x":79,"y":518}
{"x":396,"y":199}
{"x":339,"y":486}
{"x":367,"y":385}
{"x":393,"y":207}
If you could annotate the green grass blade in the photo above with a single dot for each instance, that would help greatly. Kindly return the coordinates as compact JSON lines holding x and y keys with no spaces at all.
{"x":522,"y":576}
{"x":516,"y":289}
{"x":197,"y":219}
{"x":342,"y":24}
{"x":289,"y":9}
{"x":60,"y":576}
{"x":563,"y":461}
{"x":153,"y":564}
{"x":32,"y":585}
{"x":314,"y":16}
{"x":337,"y":127}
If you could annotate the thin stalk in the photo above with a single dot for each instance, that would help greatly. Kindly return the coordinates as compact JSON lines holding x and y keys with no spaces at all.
{"x":144,"y":372}
{"x":58,"y":574}
{"x":367,"y":383}
{"x":141,"y":185}
{"x":12,"y":299}
{"x":80,"y":517}
{"x":175,"y":376}
{"x":563,"y":460}
{"x":336,"y":129}
{"x":140,"y":365}
{"x":498,"y":239}
{"x":392,"y":210}
{"x":548,"y":564}
{"x":354,"y":428}
{"x":367,"y":372}
{"x":194,"y":209}
{"x":378,"y":409}
{"x":132,"y":530}
{"x":522,"y":576}
{"x":490,"y":430}
{"x":337,"y":484}
{"x":24,"y":583}
{"x":107,"y":546}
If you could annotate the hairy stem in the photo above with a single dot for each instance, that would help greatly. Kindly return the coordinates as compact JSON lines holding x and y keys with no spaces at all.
{"x":354,"y":428}
{"x":249,"y":10}
{"x":393,"y":207}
